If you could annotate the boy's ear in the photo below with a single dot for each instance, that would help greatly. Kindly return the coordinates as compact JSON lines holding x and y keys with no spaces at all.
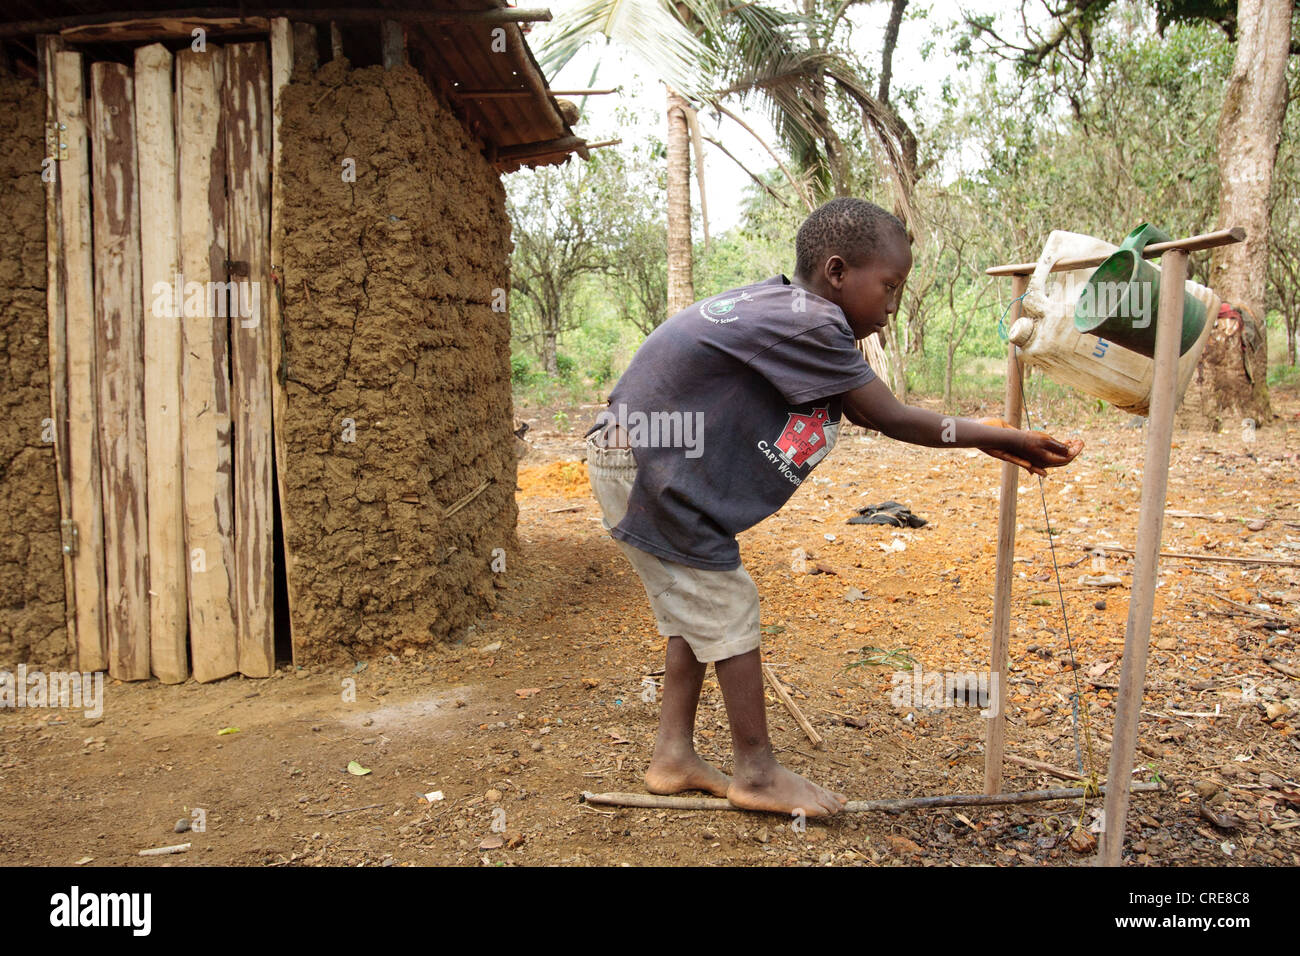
{"x":834,"y":271}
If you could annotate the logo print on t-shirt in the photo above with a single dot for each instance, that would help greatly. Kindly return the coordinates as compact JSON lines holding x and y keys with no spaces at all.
{"x":715,"y":309}
{"x":806,"y":439}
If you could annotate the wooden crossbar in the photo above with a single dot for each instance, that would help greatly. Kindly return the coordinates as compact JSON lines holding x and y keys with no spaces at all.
{"x":1207,"y":240}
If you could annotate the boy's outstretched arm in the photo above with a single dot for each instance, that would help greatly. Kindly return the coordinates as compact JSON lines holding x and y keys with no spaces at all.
{"x":874,"y":406}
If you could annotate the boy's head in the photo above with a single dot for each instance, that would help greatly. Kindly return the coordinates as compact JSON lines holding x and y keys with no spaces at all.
{"x":858,"y":256}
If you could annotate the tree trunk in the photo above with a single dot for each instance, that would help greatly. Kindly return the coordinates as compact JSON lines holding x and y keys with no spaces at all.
{"x":1231,"y":380}
{"x":947,"y":379}
{"x":896,"y":360}
{"x":681,"y":285}
{"x":550,"y":362}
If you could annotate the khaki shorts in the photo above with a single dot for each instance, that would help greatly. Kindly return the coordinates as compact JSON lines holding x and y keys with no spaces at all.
{"x":715,"y":611}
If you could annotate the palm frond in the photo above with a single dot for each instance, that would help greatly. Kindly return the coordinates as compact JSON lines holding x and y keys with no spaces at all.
{"x":647,"y":29}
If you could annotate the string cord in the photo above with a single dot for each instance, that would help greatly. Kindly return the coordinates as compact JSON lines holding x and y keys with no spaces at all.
{"x":1002,"y":333}
{"x":1091,"y":786}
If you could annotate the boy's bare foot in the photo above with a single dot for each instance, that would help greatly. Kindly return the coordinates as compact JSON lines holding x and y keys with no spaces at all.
{"x":677,"y":772}
{"x":769,"y":786}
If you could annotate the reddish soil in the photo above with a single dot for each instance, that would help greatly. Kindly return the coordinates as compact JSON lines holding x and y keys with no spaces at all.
{"x":543,"y":699}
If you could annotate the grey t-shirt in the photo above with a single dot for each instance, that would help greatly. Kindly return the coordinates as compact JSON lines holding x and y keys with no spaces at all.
{"x":728,"y":406}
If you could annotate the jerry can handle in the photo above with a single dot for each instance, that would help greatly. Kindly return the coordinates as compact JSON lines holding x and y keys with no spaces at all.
{"x":1139,"y":237}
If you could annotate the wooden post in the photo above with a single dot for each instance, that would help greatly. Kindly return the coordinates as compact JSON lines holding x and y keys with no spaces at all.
{"x":57,"y":327}
{"x":393,"y":36}
{"x":205,"y":373}
{"x":336,"y":42}
{"x":119,"y":326}
{"x":159,"y":264}
{"x":1146,"y":560}
{"x":79,"y":296}
{"x":281,"y":70}
{"x":248,"y":209}
{"x":995,"y":732}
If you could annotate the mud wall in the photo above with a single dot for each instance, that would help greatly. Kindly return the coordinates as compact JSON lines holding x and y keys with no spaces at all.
{"x":397,"y":368}
{"x":32,"y":628}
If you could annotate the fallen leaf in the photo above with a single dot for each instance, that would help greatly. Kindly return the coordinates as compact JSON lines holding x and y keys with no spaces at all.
{"x":901,"y":844}
{"x":356,"y":769}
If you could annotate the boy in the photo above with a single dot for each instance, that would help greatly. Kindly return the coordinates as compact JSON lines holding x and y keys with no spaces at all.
{"x":725,"y":410}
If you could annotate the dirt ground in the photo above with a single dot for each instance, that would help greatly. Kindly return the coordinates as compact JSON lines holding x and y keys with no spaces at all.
{"x":544,"y":699}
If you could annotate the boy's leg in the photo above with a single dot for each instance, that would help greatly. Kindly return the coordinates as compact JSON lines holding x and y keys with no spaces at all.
{"x":758,"y":781}
{"x":675,"y":765}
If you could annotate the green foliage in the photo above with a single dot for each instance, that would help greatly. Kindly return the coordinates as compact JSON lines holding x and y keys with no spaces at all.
{"x":522,"y":369}
{"x":1093,"y":142}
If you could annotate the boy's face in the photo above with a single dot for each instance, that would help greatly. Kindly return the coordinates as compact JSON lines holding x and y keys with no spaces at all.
{"x":869,"y":293}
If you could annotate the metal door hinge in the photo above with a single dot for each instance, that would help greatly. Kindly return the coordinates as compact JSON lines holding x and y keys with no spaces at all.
{"x":68,"y":527}
{"x":56,"y":141}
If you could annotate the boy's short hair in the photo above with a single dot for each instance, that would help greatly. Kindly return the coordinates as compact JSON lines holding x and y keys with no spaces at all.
{"x":852,"y":229}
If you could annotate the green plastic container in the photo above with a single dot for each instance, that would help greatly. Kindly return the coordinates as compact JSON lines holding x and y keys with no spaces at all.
{"x":1119,"y":302}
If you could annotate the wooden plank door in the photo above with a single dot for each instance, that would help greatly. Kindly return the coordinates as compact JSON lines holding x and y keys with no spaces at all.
{"x":79,"y":322}
{"x":247,"y":108}
{"x":159,"y":265}
{"x":57,"y":324}
{"x":205,"y":366}
{"x":119,"y":327}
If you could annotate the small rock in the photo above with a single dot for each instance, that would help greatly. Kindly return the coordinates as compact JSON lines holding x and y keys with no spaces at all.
{"x":1205,"y":788}
{"x":1256,"y":525}
{"x":493,"y":796}
{"x":1099,"y":605}
{"x":1276,"y":710}
{"x":537,"y":746}
{"x":492,"y":843}
{"x":182,"y":825}
{"x":490,"y":648}
{"x":1081,"y":841}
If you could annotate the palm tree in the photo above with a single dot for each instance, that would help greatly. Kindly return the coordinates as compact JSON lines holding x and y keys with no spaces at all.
{"x":708,"y":50}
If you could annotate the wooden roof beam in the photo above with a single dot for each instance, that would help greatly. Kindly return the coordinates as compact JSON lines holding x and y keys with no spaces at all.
{"x":313,"y":15}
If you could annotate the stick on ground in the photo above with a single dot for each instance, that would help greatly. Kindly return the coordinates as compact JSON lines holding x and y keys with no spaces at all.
{"x":784,"y":696}
{"x":655,"y":802}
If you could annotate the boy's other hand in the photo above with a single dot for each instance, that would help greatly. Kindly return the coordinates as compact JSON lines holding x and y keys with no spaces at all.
{"x":1038,"y":450}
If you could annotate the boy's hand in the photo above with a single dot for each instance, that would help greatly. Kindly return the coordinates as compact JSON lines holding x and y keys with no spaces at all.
{"x":1038,"y":451}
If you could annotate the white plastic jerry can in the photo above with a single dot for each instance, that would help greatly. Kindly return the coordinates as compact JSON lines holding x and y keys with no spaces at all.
{"x":1046,"y":336}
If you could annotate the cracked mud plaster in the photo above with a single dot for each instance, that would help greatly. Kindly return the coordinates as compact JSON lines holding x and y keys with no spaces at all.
{"x":32,"y":627}
{"x":388,"y":290}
